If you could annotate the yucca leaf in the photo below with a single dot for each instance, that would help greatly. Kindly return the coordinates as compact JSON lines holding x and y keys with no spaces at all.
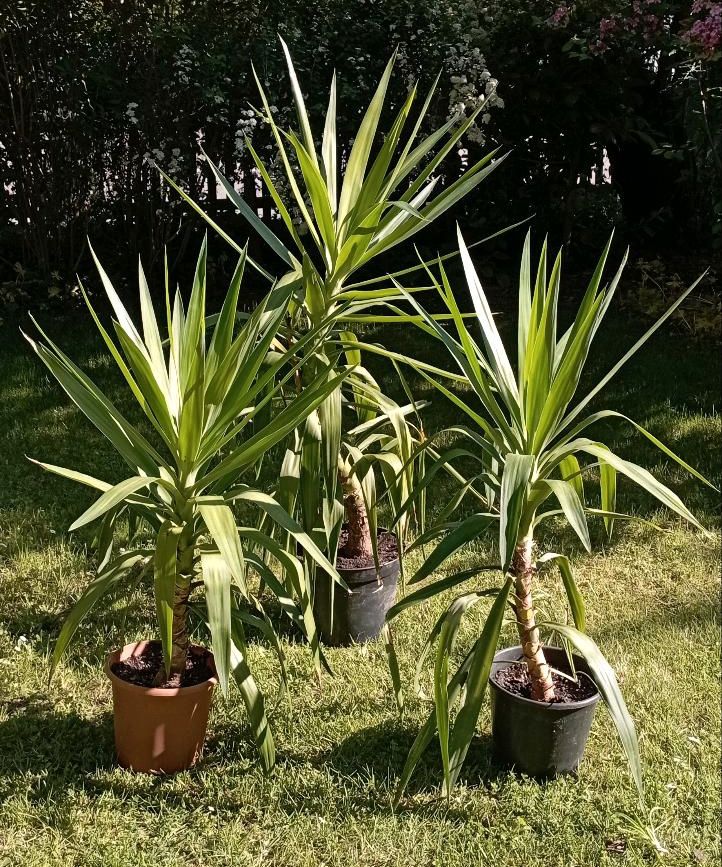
{"x":111,"y":498}
{"x":221,"y":524}
{"x":540,"y":355}
{"x":132,"y":446}
{"x":394,"y":669}
{"x":108,"y":578}
{"x":627,"y":355}
{"x":249,"y":214}
{"x":216,"y":228}
{"x":478,"y":677}
{"x":122,"y":315}
{"x":576,"y":600}
{"x":300,"y":105}
{"x":223,"y":332}
{"x":155,"y":398}
{"x":524,"y":305}
{"x":428,"y":730}
{"x":358,"y":158}
{"x":282,"y":519}
{"x":641,"y":477}
{"x":412,"y":269}
{"x":217,"y":582}
{"x":495,"y":348}
{"x":282,"y":424}
{"x":516,"y":475}
{"x":251,"y":695}
{"x":286,"y":163}
{"x":277,"y":201}
{"x":571,"y":472}
{"x":297,"y":578}
{"x":606,"y":681}
{"x":151,"y":334}
{"x":328,"y":146}
{"x":572,"y":508}
{"x":74,"y":475}
{"x":608,"y":487}
{"x":431,"y":590}
{"x":468,"y":530}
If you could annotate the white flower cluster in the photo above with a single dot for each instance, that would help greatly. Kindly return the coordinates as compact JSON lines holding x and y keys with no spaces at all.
{"x":471,"y":86}
{"x":157,"y":155}
{"x":174,"y":161}
{"x":183,"y":62}
{"x":245,"y":127}
{"x":130,"y":112}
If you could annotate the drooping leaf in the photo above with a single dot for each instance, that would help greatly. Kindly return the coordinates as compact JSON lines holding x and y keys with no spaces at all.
{"x":606,"y":681}
{"x":217,"y":581}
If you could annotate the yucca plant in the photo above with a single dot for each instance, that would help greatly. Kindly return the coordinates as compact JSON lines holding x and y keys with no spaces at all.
{"x":354,"y":206}
{"x":526,"y":435}
{"x":206,"y":395}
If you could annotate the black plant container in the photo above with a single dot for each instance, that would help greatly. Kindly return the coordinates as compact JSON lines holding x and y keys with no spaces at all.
{"x":357,"y":615}
{"x":541,"y":739}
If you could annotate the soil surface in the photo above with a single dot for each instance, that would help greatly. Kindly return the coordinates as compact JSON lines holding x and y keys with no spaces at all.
{"x":515,"y":679}
{"x":388,"y":548}
{"x":142,"y":670}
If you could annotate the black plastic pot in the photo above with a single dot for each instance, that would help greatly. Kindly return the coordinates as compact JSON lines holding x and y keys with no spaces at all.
{"x":538,"y":738}
{"x":357,"y":615}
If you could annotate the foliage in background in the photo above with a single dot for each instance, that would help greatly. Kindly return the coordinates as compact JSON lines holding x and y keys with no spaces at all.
{"x":656,"y":285}
{"x":628,"y":90}
{"x":91,"y":91}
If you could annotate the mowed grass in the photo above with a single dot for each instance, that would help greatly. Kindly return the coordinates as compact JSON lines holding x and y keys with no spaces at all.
{"x":653,"y":607}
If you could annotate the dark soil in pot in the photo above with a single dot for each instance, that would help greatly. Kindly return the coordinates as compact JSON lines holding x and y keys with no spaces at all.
{"x":388,"y":550}
{"x":357,"y":615}
{"x":538,"y":738}
{"x":142,"y":670}
{"x":515,"y":680}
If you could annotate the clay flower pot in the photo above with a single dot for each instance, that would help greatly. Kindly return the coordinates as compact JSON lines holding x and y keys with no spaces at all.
{"x":158,"y":731}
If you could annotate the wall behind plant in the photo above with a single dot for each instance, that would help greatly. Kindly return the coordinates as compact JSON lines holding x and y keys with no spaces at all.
{"x":612,"y":110}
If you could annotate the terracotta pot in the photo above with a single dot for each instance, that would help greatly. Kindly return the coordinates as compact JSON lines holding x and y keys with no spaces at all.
{"x":159,"y":731}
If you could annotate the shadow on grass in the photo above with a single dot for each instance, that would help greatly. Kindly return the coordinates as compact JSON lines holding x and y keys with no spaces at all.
{"x":57,"y":749}
{"x":367,"y":765}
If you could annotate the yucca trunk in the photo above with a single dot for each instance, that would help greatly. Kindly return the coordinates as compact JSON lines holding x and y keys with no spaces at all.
{"x":358,"y":543}
{"x":523,"y":571}
{"x":180,"y":637}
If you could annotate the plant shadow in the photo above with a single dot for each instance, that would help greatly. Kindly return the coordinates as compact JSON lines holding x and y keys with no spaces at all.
{"x":368,"y":764}
{"x":57,"y":750}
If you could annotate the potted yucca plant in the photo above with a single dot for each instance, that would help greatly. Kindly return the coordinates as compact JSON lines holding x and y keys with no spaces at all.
{"x":205,"y":395}
{"x":527,"y":435}
{"x":347,"y":219}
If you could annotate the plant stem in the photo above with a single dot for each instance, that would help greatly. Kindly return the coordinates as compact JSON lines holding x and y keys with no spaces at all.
{"x":358,"y":543}
{"x":523,"y":572}
{"x":180,"y":638}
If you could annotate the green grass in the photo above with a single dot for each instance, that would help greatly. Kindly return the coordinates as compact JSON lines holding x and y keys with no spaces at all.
{"x":653,"y":607}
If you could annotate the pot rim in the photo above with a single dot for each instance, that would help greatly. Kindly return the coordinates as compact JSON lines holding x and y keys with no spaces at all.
{"x":553,"y":706}
{"x":155,"y":691}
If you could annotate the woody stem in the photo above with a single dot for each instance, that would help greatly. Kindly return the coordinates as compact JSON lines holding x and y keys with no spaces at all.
{"x":523,"y":571}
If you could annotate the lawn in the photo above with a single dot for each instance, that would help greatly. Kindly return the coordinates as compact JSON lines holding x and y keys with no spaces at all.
{"x":653,"y":607}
